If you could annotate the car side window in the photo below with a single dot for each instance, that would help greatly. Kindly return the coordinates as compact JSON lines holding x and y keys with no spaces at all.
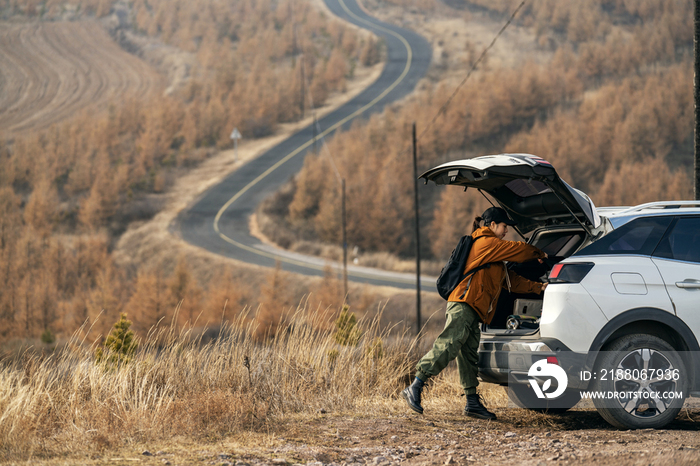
{"x":632,"y":240}
{"x":682,"y":242}
{"x":639,"y":236}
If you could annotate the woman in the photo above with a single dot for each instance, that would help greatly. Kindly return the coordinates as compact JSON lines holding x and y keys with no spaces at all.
{"x":472,"y":302}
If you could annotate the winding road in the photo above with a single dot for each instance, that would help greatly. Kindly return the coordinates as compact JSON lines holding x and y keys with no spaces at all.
{"x":218,"y":221}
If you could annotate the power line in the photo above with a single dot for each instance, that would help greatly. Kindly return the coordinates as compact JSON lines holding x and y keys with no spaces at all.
{"x":447,"y":103}
{"x":473,"y":68}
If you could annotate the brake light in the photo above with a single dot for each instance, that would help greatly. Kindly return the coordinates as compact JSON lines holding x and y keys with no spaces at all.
{"x":554,"y":273}
{"x":552,"y":360}
{"x":570,"y":273}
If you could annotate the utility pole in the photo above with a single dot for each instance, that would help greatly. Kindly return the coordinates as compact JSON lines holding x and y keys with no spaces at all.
{"x":696,"y":93}
{"x":343,"y":212}
{"x":415,"y":190}
{"x":303,"y":82}
{"x":297,"y":51}
{"x":345,"y":247}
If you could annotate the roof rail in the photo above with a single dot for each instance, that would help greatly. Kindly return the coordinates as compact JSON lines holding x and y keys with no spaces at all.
{"x":660,"y":205}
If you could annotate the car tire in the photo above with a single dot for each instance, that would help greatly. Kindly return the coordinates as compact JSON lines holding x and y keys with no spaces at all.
{"x":630,"y":352}
{"x":524,"y":397}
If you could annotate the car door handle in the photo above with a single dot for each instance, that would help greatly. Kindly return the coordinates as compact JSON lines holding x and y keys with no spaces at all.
{"x":688,"y":283}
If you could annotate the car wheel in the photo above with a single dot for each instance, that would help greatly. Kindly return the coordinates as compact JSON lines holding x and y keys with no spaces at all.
{"x":524,"y":397}
{"x":633,"y":368}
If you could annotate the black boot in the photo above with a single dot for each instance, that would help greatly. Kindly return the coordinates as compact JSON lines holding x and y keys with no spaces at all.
{"x":475,"y":408}
{"x":412,"y":395}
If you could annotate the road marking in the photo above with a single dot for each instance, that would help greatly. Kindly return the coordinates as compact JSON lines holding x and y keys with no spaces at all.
{"x":262,"y":176}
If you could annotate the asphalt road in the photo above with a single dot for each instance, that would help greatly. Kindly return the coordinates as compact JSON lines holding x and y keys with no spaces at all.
{"x":218,"y":221}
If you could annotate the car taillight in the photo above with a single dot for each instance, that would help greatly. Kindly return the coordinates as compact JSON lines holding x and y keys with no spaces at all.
{"x":554,"y":273}
{"x":569,"y":273}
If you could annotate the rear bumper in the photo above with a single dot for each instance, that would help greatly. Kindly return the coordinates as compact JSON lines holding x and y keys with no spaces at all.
{"x":504,"y":361}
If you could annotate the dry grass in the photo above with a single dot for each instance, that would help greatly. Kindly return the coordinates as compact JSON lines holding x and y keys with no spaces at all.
{"x":298,"y":395}
{"x":237,"y":385}
{"x":176,"y":384}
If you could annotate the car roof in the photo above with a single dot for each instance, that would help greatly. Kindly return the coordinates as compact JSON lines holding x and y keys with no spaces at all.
{"x":618,"y":216}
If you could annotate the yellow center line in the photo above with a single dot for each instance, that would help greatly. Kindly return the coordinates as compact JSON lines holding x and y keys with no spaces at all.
{"x":299,"y":149}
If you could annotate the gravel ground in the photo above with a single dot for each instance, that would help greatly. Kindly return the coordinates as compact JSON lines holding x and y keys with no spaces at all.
{"x":517,"y":437}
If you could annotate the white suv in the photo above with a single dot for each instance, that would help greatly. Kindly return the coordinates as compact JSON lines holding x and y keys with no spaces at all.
{"x":621,"y":315}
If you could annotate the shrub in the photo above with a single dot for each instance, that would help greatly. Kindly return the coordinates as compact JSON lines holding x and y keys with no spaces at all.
{"x":347,"y":333}
{"x":120,"y":346}
{"x":47,"y":337}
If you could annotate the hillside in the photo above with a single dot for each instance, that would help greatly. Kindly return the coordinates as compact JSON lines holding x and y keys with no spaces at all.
{"x":214,"y":362}
{"x":602,"y":90}
{"x":105,"y":104}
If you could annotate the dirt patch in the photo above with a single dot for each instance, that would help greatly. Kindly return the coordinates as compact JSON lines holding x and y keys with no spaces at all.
{"x":450,"y":438}
{"x":51,"y":70}
{"x":447,"y":437}
{"x":393,"y":435}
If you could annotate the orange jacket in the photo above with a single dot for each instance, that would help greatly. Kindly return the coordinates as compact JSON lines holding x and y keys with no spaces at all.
{"x":485,"y":285}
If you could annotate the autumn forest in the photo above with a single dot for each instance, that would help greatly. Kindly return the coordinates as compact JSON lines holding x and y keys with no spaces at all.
{"x":612,"y":110}
{"x":610,"y":107}
{"x":68,"y":191}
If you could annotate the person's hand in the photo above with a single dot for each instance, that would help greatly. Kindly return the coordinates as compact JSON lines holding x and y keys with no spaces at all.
{"x":541,"y":261}
{"x":544,"y":286}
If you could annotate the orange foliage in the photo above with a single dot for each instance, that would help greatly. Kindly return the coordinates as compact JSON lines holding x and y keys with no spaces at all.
{"x":275,"y":301}
{"x":638,"y":118}
{"x":613,"y":104}
{"x":185,"y":294}
{"x":611,"y":99}
{"x":224,"y":299}
{"x":41,"y":209}
{"x":259,"y":63}
{"x":326,"y":299}
{"x":652,"y":179}
{"x":454,"y":215}
{"x":150,"y":304}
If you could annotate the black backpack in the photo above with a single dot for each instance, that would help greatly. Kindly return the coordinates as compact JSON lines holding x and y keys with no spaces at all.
{"x":452,"y":273}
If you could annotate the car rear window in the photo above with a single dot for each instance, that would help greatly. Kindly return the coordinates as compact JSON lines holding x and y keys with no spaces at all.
{"x":682,"y":242}
{"x":527,"y":188}
{"x":555,"y":245}
{"x":639,"y":236}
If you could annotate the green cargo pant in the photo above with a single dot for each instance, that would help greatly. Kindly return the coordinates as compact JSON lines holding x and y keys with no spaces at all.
{"x":459,"y":339}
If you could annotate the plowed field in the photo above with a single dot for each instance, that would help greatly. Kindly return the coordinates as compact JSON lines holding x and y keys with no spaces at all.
{"x":50,"y":70}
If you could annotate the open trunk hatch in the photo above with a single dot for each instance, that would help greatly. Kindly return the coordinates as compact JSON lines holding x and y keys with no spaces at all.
{"x":525,"y":185}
